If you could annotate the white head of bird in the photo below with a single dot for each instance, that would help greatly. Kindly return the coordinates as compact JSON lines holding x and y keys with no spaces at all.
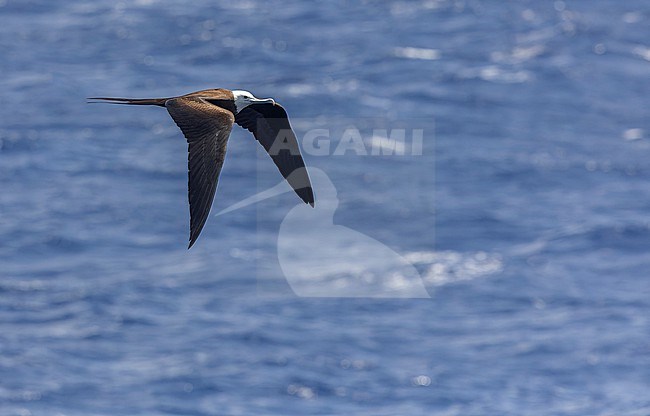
{"x":244,"y":98}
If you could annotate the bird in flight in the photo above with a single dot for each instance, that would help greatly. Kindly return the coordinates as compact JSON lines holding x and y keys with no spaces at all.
{"x":206,"y":118}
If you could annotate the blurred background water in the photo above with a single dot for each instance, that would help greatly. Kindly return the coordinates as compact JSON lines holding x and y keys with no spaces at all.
{"x":526,"y":214}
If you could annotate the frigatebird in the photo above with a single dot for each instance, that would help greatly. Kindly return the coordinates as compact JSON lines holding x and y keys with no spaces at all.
{"x":206,"y":118}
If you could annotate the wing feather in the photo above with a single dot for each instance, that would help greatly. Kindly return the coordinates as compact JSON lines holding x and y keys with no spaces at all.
{"x":270,"y":126}
{"x":207,"y":129}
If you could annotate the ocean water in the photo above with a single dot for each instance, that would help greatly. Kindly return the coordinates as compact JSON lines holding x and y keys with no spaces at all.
{"x":526,"y":214}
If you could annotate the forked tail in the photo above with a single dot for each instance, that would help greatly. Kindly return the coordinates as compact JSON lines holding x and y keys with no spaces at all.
{"x":132,"y":101}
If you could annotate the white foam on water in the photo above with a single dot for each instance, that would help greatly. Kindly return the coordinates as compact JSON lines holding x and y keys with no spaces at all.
{"x":444,"y":267}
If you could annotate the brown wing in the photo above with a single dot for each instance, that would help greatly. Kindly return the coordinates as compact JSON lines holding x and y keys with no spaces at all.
{"x":207,"y":129}
{"x":270,"y":126}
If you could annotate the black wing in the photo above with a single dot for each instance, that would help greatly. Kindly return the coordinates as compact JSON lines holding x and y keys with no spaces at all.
{"x":270,"y":126}
{"x":207,"y":129}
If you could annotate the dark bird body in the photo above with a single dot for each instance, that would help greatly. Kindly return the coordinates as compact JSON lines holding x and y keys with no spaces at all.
{"x":206,"y":119}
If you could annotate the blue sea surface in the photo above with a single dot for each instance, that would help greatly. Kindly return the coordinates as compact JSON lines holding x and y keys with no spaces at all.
{"x":527,"y":213}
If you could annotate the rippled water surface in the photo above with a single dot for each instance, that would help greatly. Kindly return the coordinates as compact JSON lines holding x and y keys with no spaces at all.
{"x":526,"y":215}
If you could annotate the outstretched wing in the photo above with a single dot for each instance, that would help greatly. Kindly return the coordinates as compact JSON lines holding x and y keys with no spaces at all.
{"x":207,"y":129}
{"x":270,"y":126}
